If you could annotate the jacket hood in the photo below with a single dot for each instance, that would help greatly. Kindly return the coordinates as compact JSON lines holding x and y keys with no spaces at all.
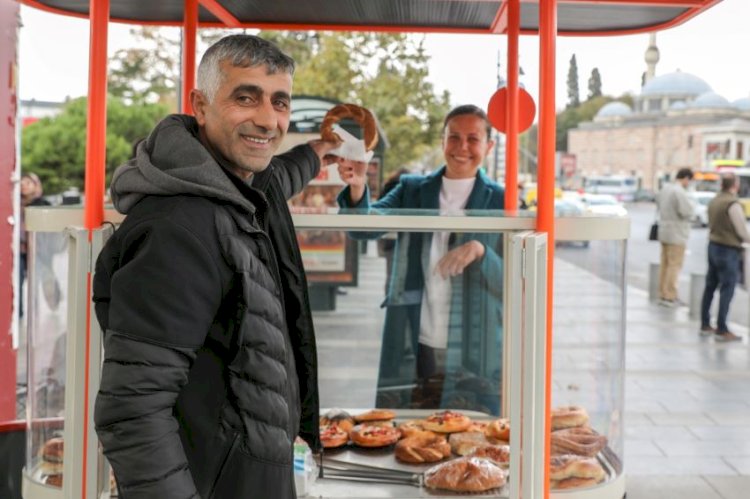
{"x":172,"y":161}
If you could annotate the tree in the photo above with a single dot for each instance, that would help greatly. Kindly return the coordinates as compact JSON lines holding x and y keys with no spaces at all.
{"x":573,"y":95}
{"x":570,"y":117}
{"x":147,"y":72}
{"x":595,"y":84}
{"x":55,"y":148}
{"x":150,"y":70}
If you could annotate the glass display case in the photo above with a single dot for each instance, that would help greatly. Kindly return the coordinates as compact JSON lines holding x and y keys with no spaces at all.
{"x":64,"y":358}
{"x":46,"y":316}
{"x":491,"y":362}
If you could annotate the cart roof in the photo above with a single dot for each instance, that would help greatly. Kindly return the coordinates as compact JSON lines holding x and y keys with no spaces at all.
{"x":575,"y":17}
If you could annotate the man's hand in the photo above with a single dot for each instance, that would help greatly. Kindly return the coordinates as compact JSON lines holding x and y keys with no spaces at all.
{"x":354,"y":174}
{"x":456,"y":260}
{"x":322,"y":148}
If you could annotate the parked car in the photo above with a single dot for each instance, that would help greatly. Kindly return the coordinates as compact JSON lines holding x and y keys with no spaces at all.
{"x":622,"y":187}
{"x":570,"y":206}
{"x":644,"y":195}
{"x":603,"y":204}
{"x":700,"y":200}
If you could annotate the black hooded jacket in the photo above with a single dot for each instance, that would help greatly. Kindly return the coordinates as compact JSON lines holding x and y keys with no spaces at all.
{"x":210,"y":366}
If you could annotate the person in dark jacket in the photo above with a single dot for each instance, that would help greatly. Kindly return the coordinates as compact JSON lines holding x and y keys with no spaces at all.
{"x":210,"y":367}
{"x":727,"y":233}
{"x":445,"y":286}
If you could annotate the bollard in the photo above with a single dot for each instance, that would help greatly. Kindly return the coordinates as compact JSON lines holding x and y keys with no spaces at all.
{"x":697,"y":283}
{"x":653,"y":282}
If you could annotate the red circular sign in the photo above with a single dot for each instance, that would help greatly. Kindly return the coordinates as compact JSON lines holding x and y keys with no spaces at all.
{"x":497,"y":109}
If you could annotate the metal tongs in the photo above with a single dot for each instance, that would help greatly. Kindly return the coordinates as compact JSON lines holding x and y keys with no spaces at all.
{"x":364,"y":473}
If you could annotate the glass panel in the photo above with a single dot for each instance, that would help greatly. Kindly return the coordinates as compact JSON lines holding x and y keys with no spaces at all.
{"x":46,"y":316}
{"x":390,"y":340}
{"x":588,"y":342}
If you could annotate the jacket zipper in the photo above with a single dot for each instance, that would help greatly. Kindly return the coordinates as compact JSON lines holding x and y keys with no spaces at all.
{"x":287,"y":342}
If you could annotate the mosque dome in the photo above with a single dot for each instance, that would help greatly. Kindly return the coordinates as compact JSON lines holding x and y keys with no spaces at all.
{"x":710,"y":100}
{"x":742,"y":104}
{"x":677,"y":83}
{"x":612,"y":109}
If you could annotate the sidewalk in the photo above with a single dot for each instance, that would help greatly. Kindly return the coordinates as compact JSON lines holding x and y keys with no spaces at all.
{"x":687,"y":408}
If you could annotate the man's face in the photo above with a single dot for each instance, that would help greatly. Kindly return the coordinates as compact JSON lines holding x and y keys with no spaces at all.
{"x":248,"y":117}
{"x":465,"y":145}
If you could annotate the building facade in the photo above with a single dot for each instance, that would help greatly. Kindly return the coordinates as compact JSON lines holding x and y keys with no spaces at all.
{"x":676,"y":121}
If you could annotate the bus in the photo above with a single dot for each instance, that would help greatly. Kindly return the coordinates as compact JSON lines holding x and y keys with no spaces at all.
{"x":707,"y":181}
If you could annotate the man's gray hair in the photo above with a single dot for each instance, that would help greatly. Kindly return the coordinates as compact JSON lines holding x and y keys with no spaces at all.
{"x":241,"y":51}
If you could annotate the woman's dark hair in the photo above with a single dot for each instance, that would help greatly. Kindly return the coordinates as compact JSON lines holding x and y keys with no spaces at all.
{"x":468,"y":109}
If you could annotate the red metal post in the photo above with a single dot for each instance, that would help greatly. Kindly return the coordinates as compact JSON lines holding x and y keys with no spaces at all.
{"x":546,"y":184}
{"x":96,"y":133}
{"x":511,"y":137}
{"x":8,"y":99}
{"x":96,"y":154}
{"x":189,"y":30}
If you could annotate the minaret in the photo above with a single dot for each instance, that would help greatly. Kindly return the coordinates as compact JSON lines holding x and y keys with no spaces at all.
{"x":651,"y":57}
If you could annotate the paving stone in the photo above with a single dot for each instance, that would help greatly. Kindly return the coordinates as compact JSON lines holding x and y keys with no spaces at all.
{"x":669,"y":487}
{"x":678,"y":465}
{"x":729,"y":487}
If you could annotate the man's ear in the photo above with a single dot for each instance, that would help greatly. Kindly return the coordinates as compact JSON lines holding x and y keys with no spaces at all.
{"x":199,"y":103}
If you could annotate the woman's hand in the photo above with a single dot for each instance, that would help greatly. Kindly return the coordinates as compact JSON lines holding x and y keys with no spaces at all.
{"x":354,"y":174}
{"x":456,"y":260}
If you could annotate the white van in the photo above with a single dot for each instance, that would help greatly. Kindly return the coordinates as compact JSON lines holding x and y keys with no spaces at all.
{"x":622,"y":187}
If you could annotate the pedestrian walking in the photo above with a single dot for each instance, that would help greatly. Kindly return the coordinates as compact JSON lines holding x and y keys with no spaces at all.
{"x":727,"y":232}
{"x":675,"y":214}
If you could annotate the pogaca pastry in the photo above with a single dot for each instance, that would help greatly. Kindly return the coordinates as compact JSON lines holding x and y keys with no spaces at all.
{"x":569,"y":417}
{"x":569,"y":471}
{"x":447,"y":422}
{"x":465,"y":474}
{"x":375,"y":415}
{"x":413,"y":427}
{"x":422,"y":449}
{"x":477,"y":427}
{"x":338,"y":417}
{"x":362,"y":116}
{"x":52,"y":456}
{"x":498,"y":454}
{"x":367,"y":435}
{"x":465,"y":442}
{"x":332,"y":436}
{"x":498,"y":429}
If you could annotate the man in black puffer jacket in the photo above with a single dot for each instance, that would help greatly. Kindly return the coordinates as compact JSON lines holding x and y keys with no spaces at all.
{"x":210,"y":367}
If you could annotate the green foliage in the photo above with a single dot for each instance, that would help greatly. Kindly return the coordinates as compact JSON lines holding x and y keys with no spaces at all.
{"x":574,"y":98}
{"x":387,"y":73}
{"x":55,"y":148}
{"x":595,"y":84}
{"x":148,"y":72}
